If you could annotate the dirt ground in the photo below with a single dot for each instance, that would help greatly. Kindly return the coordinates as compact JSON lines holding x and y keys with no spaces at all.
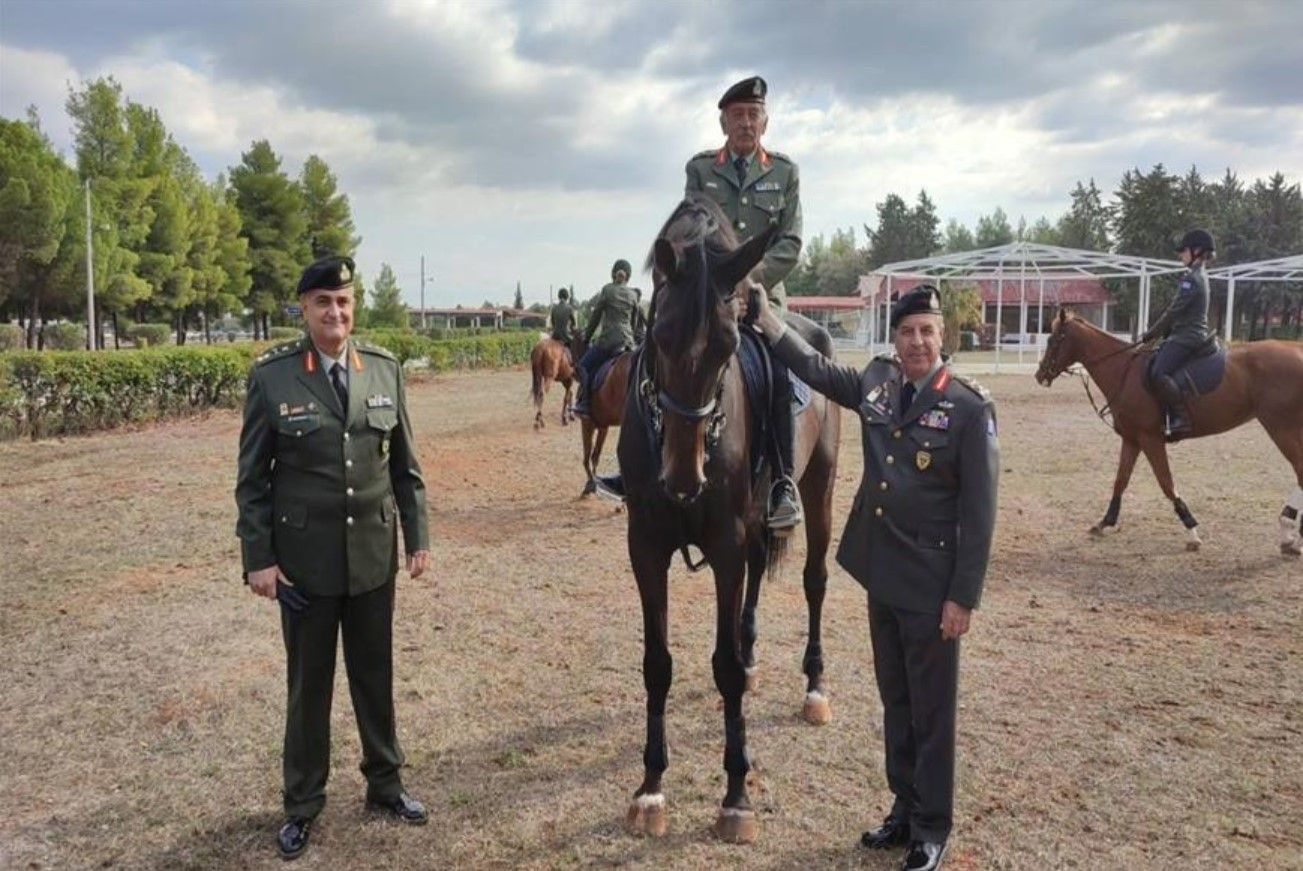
{"x":1123,"y":703}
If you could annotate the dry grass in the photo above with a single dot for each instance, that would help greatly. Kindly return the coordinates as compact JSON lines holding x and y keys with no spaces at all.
{"x":1124,"y":703}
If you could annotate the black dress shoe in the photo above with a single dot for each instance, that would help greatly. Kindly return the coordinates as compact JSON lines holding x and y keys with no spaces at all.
{"x":894,"y":832}
{"x":924,"y":855}
{"x":403,"y":806}
{"x":292,"y":839}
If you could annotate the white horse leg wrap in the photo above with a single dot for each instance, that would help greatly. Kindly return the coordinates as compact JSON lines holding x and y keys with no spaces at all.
{"x":650,"y":800}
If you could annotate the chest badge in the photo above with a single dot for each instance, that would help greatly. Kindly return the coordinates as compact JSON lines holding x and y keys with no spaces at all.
{"x":923,"y":459}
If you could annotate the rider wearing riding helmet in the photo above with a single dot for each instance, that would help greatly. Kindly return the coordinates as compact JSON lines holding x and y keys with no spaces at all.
{"x":1184,"y":329}
{"x":617,"y":322}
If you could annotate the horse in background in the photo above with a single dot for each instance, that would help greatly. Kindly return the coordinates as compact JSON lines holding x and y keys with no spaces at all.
{"x":1262,"y":380}
{"x":551,"y":361}
{"x":687,"y":451}
{"x":605,"y":409}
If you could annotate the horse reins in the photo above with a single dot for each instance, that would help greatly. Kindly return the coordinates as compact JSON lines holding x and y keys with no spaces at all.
{"x":1104,"y":413}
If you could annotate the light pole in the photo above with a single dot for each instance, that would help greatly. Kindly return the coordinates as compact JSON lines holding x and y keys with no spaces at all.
{"x":422,"y":291}
{"x":90,"y":275}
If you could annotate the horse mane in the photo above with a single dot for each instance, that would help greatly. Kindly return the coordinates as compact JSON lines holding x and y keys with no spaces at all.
{"x":696,"y":220}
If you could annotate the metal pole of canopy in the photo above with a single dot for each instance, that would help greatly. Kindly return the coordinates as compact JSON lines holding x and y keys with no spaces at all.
{"x":999,"y":309}
{"x":1022,"y":307}
{"x":1230,"y":308}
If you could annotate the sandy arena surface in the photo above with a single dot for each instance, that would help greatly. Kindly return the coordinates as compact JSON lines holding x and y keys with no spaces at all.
{"x":1123,"y":703}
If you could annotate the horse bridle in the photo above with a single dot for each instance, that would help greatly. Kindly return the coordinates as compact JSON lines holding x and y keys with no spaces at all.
{"x":1104,"y":413}
{"x":660,"y":402}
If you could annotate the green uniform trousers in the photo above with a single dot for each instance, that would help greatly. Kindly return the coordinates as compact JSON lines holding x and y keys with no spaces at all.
{"x":366,"y":622}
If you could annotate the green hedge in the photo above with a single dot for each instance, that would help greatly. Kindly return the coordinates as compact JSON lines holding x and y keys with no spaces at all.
{"x":58,"y":392}
{"x":63,"y":337}
{"x":45,"y":393}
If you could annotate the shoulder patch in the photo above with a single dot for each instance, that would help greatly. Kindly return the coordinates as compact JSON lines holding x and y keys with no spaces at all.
{"x":279,"y":352}
{"x":374,"y":350}
{"x":971,"y":384}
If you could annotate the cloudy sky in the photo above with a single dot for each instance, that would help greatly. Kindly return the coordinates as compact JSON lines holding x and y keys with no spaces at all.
{"x":539,"y":141}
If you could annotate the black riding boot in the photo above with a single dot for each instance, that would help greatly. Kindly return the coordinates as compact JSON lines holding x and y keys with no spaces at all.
{"x":784,"y":503}
{"x":581,"y":395}
{"x":1176,"y":422}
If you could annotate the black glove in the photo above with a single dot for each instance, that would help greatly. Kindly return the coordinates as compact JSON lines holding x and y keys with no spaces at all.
{"x":291,"y":598}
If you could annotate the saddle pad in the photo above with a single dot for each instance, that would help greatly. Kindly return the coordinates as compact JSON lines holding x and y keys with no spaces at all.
{"x":605,"y":370}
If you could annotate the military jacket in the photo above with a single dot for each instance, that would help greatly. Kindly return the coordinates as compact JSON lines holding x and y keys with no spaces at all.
{"x":562,"y":321}
{"x":921,"y":525}
{"x":615,"y":317}
{"x":1185,"y":321}
{"x":769,"y":196}
{"x":321,"y":489}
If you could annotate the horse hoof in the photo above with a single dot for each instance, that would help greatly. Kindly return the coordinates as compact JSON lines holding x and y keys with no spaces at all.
{"x":1192,"y":545}
{"x":589,"y":489}
{"x":1097,"y":531}
{"x":753,"y":678}
{"x":736,"y":826}
{"x":816,"y":711}
{"x":1288,"y":548}
{"x":647,"y":817}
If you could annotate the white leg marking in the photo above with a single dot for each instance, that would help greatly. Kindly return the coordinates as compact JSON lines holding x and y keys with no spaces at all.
{"x":650,"y":800}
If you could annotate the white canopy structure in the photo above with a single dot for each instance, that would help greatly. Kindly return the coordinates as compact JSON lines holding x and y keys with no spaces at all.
{"x":1280,"y":269}
{"x":1010,"y":266}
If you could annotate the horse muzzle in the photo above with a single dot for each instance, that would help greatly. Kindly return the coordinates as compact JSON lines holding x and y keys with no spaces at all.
{"x":681,"y":495}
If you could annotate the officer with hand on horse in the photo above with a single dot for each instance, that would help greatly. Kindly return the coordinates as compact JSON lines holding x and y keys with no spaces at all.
{"x":1184,"y":328}
{"x":327,"y":474}
{"x":918,"y":539}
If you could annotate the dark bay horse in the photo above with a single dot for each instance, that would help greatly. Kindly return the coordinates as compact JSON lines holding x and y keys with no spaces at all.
{"x":1263,"y":380}
{"x":686,"y":451}
{"x":551,"y":361}
{"x":605,"y":410}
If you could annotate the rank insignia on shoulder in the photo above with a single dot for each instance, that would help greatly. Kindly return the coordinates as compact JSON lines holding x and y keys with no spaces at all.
{"x":935,"y":419}
{"x":946,"y":404}
{"x":379,"y":401}
{"x":873,"y":394}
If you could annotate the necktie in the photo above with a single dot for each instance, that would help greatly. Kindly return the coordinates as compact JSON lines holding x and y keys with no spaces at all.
{"x":337,"y":379}
{"x":740,"y":166}
{"x":907,"y":396}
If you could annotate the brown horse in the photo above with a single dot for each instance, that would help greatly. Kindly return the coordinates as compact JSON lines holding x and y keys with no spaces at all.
{"x":686,"y":451}
{"x":551,"y":361}
{"x":605,"y":410}
{"x":1262,"y":380}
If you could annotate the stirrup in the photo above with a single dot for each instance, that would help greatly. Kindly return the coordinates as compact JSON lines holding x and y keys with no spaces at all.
{"x":786,"y":514}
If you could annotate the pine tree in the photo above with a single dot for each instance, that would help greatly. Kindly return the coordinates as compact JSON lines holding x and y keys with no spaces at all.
{"x":387,"y":308}
{"x":993,"y":230}
{"x":326,"y":212}
{"x":519,"y":302}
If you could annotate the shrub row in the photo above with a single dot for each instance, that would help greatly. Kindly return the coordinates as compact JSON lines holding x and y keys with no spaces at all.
{"x":45,"y":393}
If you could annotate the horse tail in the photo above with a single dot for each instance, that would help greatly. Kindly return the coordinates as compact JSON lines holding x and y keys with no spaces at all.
{"x":776,"y":555}
{"x":536,"y":363}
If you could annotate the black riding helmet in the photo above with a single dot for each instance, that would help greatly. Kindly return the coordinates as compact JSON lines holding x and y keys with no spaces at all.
{"x":1198,"y":241}
{"x":563,"y":294}
{"x":622,"y":265}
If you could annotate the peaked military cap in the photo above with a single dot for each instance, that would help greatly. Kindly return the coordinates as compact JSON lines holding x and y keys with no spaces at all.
{"x":328,"y":273}
{"x":922,"y":300}
{"x":750,"y":90}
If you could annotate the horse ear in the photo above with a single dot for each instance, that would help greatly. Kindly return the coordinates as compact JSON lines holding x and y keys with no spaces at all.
{"x":665,"y":258}
{"x":735,"y":266}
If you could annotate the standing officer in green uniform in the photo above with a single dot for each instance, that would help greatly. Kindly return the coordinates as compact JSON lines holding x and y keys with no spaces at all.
{"x":562,"y":318}
{"x":758,"y":189}
{"x":1183,"y":326}
{"x":918,"y":539}
{"x":327,"y":472}
{"x":617,"y":321}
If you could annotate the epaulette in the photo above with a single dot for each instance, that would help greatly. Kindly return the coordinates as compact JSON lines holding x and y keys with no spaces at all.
{"x":888,"y":357}
{"x":368,"y":348}
{"x":279,"y":352}
{"x":779,"y":155}
{"x":971,"y":384}
{"x":709,"y":152}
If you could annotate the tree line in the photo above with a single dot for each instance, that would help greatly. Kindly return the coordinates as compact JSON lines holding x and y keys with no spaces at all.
{"x":168,"y":245}
{"x":1145,"y":216}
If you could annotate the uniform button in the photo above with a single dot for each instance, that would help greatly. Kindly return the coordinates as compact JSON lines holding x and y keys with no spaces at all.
{"x":882,"y":486}
{"x":927,"y":444}
{"x":896,"y":434}
{"x":744,"y":201}
{"x":742,"y":225}
{"x":877,"y":512}
{"x":891,"y":461}
{"x":349,"y":521}
{"x":284,"y":519}
{"x":345,"y":436}
{"x":298,"y":432}
{"x":348,"y":464}
{"x":349,"y":491}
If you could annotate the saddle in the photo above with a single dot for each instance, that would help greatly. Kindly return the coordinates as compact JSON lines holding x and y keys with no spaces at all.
{"x":1201,"y":374}
{"x":603,"y":371}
